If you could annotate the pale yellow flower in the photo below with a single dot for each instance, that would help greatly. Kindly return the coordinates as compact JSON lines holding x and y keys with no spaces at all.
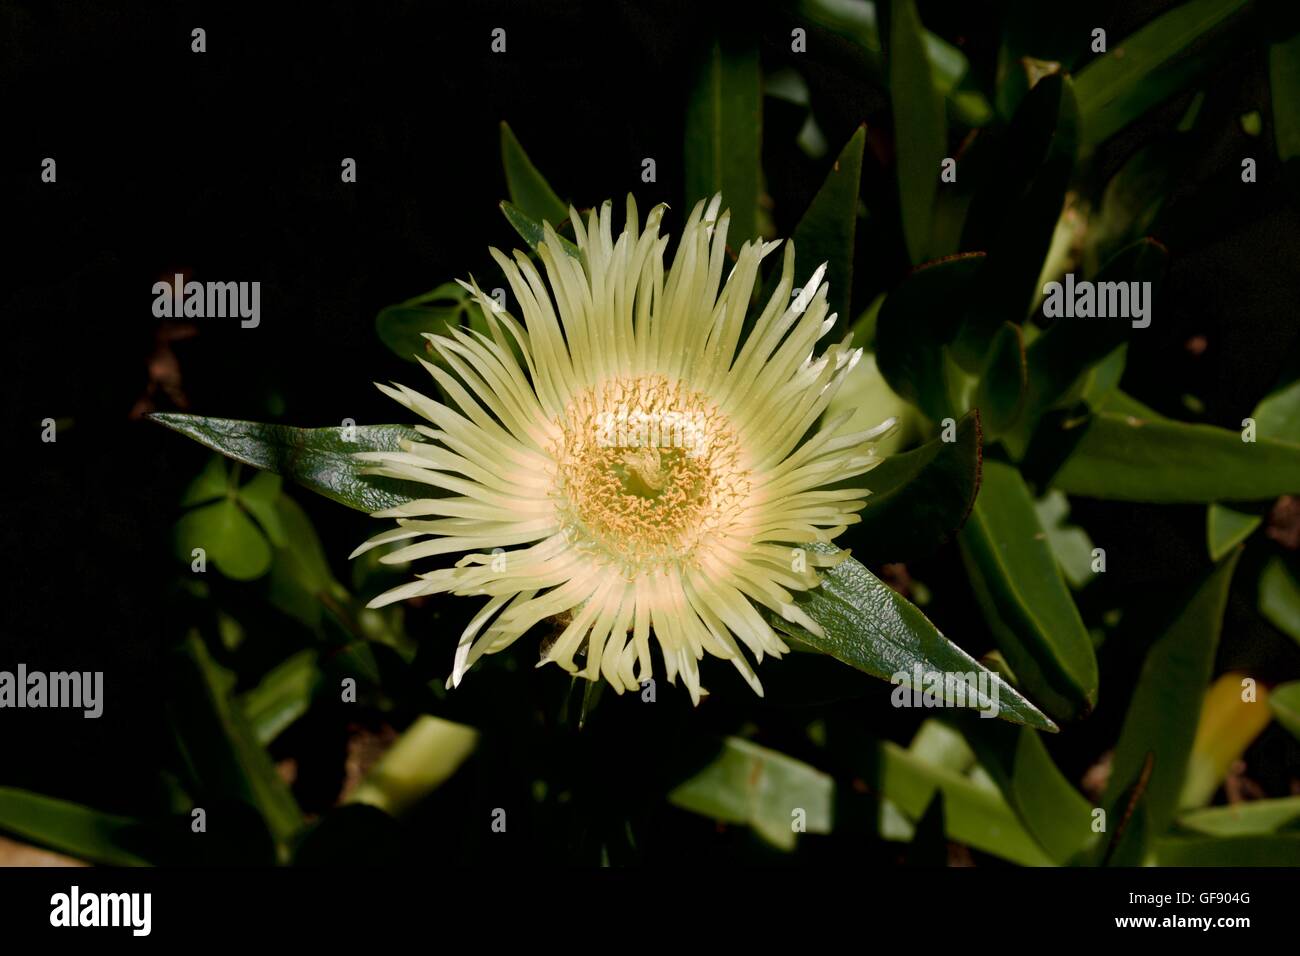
{"x":629,"y":462}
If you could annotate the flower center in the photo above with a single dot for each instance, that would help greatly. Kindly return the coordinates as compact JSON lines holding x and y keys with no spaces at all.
{"x":648,"y":469}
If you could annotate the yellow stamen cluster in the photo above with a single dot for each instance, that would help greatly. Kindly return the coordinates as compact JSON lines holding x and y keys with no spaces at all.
{"x":647,"y":470}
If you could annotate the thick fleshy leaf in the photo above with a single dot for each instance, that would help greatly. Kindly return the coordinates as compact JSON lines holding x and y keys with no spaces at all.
{"x":920,"y":128}
{"x":918,"y":498}
{"x":916,"y":320}
{"x":1069,"y":543}
{"x":1278,"y":849}
{"x":73,"y":829}
{"x":427,"y":754}
{"x":1285,"y":704}
{"x":321,"y":459}
{"x":1126,"y":458}
{"x":213,"y":482}
{"x":1228,"y":725}
{"x":1244,"y":819}
{"x":1144,"y":69}
{"x":533,"y":232}
{"x":1165,"y":707}
{"x":825,"y":232}
{"x":870,"y":626}
{"x":1000,"y":393}
{"x":1014,"y":215}
{"x":1128,"y":824}
{"x":260,"y":497}
{"x":974,"y":813}
{"x":301,"y":583}
{"x":1025,"y":600}
{"x":402,"y":327}
{"x":302,"y":554}
{"x":529,"y":190}
{"x":222,"y":752}
{"x":1276,"y":417}
{"x":281,"y":697}
{"x":1051,"y":809}
{"x":1279,"y":595}
{"x":941,"y":745}
{"x":857,"y":23}
{"x":227,"y":536}
{"x":724,"y":115}
{"x":759,"y":787}
{"x":1225,"y":528}
{"x":1284,"y":90}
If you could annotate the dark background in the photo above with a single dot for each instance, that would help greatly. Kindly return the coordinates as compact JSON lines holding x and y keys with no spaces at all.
{"x":226,"y":165}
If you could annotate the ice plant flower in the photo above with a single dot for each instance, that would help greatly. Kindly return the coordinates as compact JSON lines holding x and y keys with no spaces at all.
{"x":626,"y":460}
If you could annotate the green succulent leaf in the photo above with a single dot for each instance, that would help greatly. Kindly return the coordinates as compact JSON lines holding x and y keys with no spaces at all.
{"x":261,"y":498}
{"x":1069,"y":543}
{"x":1284,"y":701}
{"x":870,"y":626}
{"x":723,"y":133}
{"x":1225,"y":528}
{"x":529,"y":190}
{"x":73,"y":829}
{"x":1276,"y":417}
{"x":428,"y":753}
{"x":1000,"y":393}
{"x":227,"y":536}
{"x":302,"y":556}
{"x":1049,"y":807}
{"x":825,"y":232}
{"x":1124,"y":457}
{"x":1014,"y":214}
{"x":1250,"y":818}
{"x":1279,"y":595}
{"x":317,"y":458}
{"x":759,"y":787}
{"x":281,"y":697}
{"x":221,"y":750}
{"x":1165,"y":708}
{"x":975,"y":813}
{"x":916,"y":320}
{"x":1148,"y":67}
{"x":533,"y":232}
{"x":920,"y":128}
{"x":1284,"y":87}
{"x":403,"y":327}
{"x":1279,"y":849}
{"x":857,"y":22}
{"x":1025,"y":600}
{"x":213,"y":482}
